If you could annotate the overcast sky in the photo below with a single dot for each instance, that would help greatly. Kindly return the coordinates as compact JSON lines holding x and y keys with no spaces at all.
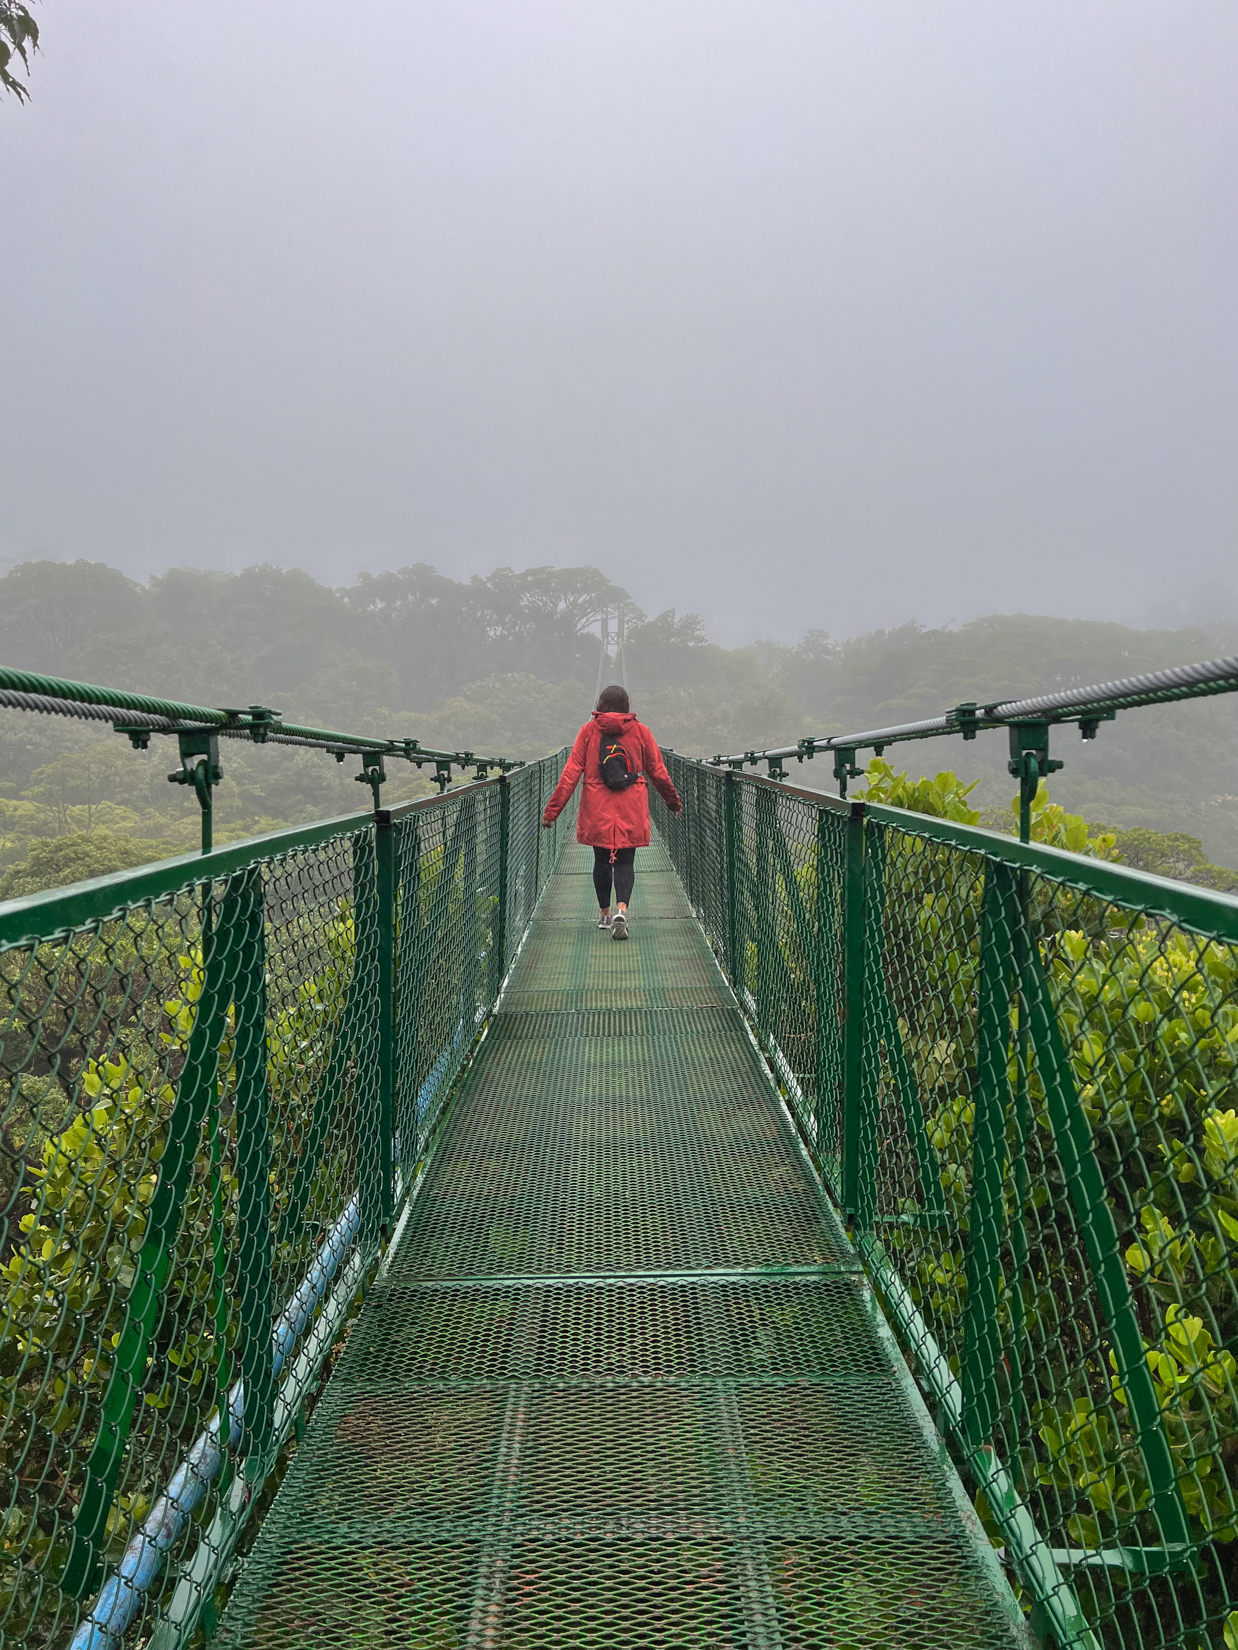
{"x":795,"y":314}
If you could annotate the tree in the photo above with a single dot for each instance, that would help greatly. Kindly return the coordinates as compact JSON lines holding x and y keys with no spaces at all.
{"x":84,"y":779}
{"x":542,"y":617}
{"x":513,"y":713}
{"x":19,"y":37}
{"x":55,"y":861}
{"x":77,"y":619}
{"x":415,"y":619}
{"x":1174,"y":854}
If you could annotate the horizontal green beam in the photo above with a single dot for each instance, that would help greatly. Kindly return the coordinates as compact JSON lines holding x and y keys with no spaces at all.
{"x":38,"y":917}
{"x":1206,"y":910}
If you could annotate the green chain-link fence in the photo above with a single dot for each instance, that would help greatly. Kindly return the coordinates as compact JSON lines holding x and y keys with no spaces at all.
{"x":217,"y":1075}
{"x":1018,"y":1069}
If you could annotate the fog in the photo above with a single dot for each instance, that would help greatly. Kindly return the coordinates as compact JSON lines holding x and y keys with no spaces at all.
{"x":793,"y":315}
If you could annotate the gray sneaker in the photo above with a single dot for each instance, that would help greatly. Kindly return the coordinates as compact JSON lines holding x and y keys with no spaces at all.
{"x":619,"y":926}
{"x":604,"y":921}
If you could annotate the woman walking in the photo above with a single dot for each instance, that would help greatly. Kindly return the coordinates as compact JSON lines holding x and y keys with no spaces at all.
{"x":616,"y":754}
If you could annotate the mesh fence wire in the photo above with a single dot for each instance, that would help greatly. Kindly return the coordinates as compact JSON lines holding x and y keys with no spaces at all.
{"x":455,"y":934}
{"x":1054,"y":1172}
{"x":191,"y":1144}
{"x":621,"y":1383}
{"x":1020,"y":1073}
{"x":764,"y":867}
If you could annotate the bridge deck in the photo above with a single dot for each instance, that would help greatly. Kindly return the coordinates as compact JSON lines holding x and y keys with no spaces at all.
{"x":581,"y":1409}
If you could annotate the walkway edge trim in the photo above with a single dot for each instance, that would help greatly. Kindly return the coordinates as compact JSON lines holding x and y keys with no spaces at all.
{"x":1029,"y":1551}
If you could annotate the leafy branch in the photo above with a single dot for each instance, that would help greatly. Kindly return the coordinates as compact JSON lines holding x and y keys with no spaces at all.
{"x":19,"y":37}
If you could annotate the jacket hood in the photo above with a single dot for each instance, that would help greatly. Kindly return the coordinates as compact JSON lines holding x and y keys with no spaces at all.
{"x":614,"y":721}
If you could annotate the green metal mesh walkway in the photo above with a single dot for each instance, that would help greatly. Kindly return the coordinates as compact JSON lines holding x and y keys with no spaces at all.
{"x":621,"y":1383}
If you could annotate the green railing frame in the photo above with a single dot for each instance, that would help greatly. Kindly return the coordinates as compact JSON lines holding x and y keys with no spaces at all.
{"x":234,"y":972}
{"x":859,"y":1007}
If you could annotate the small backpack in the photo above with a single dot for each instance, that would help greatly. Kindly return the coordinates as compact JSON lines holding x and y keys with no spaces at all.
{"x":616,"y":766}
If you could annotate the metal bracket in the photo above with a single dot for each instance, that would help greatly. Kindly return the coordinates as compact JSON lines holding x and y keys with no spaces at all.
{"x":261,"y":718}
{"x":199,"y":753}
{"x":139,"y":738}
{"x":844,"y":766}
{"x":1089,"y":726}
{"x":1029,"y":763}
{"x":965,"y":715}
{"x":372,"y":774}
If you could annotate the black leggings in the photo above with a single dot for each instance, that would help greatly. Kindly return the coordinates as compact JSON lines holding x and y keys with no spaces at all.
{"x":624,"y":870}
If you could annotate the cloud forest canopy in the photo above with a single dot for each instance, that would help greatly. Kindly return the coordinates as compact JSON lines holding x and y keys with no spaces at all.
{"x":509,"y":661}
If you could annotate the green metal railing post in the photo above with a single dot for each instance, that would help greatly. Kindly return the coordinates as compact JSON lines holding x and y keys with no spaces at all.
{"x":999,"y":923}
{"x":471,"y":814}
{"x":854,"y":919}
{"x":200,"y":768}
{"x":732,"y":827}
{"x":255,"y":1307}
{"x":685,"y":840}
{"x":498,"y":943}
{"x":408,"y":1004}
{"x":825,"y":984}
{"x":197,"y":1092}
{"x":384,"y":854}
{"x":1094,"y":1218}
{"x":766,"y":913}
{"x":368,"y":1050}
{"x":1029,"y":763}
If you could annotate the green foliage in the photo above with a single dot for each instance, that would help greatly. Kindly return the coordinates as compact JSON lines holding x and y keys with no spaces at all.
{"x":1148,"y":1017}
{"x":52,"y":862}
{"x":1149,"y":1020}
{"x":1152,"y":1025}
{"x":1056,"y":828}
{"x":520,"y":715}
{"x":1165,"y":768}
{"x":65,"y":1283}
{"x":510,"y":660}
{"x":90,"y":1140}
{"x":1174,"y":854}
{"x":19,"y":37}
{"x":943,"y":797}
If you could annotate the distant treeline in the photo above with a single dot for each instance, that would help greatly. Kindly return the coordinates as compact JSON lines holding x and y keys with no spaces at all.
{"x":508,"y":662}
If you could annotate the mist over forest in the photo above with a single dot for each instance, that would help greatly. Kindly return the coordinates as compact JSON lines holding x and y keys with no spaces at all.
{"x":507,"y":663}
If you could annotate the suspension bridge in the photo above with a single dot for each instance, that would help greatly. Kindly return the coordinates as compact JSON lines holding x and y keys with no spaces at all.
{"x":391,"y":1260}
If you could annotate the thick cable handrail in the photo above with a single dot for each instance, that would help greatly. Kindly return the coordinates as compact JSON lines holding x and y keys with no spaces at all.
{"x":198,"y":729}
{"x":1086,"y":705}
{"x":55,"y":696}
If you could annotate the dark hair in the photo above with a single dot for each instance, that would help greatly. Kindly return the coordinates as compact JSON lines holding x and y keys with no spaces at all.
{"x":614,"y":698}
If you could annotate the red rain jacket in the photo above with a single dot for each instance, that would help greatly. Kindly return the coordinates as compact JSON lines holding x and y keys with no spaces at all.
{"x":612,"y":819}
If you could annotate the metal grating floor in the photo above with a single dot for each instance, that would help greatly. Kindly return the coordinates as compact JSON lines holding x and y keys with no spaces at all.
{"x":622,"y":1385}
